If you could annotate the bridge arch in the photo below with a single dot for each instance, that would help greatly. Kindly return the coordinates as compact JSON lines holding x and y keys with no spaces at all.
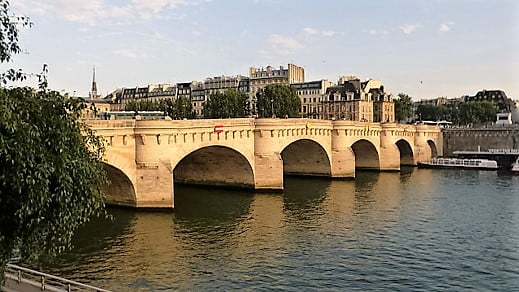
{"x":432,"y":148}
{"x":216,"y":166}
{"x":305,"y":157}
{"x":120,"y":190}
{"x":406,"y":152}
{"x":366,"y":155}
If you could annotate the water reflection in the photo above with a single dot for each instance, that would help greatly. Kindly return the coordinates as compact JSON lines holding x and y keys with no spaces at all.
{"x":199,"y":203}
{"x":406,"y":173}
{"x":413,"y":230}
{"x":303,"y":197}
{"x":99,"y":241}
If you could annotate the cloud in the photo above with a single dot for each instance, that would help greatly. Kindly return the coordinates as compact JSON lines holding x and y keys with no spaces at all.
{"x":446,"y":26}
{"x":328,"y":33}
{"x":149,"y":9}
{"x":159,"y":36}
{"x":308,"y":31}
{"x":156,"y":6}
{"x":92,"y":12}
{"x":410,"y":28}
{"x":284,"y":43}
{"x":376,"y":32}
{"x":127,"y":54}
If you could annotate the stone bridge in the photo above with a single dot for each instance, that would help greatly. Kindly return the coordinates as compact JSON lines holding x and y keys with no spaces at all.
{"x":145,"y":158}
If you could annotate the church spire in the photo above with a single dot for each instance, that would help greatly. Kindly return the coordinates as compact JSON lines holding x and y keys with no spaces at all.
{"x":93,"y":91}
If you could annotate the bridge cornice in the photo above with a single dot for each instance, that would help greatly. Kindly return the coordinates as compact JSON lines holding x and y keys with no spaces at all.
{"x":208,"y":125}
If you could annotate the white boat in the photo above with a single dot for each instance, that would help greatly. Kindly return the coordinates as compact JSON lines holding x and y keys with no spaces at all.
{"x":515,"y":166}
{"x":477,"y":163}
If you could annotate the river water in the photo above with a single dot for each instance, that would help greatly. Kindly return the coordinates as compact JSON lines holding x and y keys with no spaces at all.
{"x":417,"y":230}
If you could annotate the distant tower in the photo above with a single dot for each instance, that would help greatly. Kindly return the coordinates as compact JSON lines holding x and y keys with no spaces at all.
{"x":93,"y":91}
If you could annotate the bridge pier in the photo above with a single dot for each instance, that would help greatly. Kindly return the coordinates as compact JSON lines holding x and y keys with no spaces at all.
{"x":342,"y":157}
{"x":389,"y":158}
{"x":154,"y":187}
{"x":268,"y":172}
{"x":343,"y":164}
{"x":424,"y":150}
{"x":389,"y":153}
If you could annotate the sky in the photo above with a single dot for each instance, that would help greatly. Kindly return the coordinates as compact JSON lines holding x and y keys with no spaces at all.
{"x":423,"y":48}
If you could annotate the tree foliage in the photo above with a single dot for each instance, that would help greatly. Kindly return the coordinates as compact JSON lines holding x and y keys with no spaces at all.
{"x":51,"y":169}
{"x":51,"y":172}
{"x":278,"y":100}
{"x":142,"y":105}
{"x":181,"y":108}
{"x":468,"y":113}
{"x":431,"y":112}
{"x":229,"y":104}
{"x":403,"y":107}
{"x":9,"y":25}
{"x":477,"y":112}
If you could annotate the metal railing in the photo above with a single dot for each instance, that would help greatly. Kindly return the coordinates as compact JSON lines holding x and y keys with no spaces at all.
{"x":22,"y":279}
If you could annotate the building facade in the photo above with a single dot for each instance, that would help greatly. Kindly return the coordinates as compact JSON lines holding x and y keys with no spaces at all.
{"x":356,"y":100}
{"x":121,"y":96}
{"x":220,"y":84}
{"x":260,"y":77}
{"x":498,"y":98}
{"x":351,"y":99}
{"x":312,"y":94}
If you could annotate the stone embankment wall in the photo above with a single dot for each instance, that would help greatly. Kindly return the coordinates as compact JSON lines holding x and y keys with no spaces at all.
{"x":469,"y":139}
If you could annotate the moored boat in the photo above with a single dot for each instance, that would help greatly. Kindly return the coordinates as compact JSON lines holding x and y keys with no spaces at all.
{"x":515,"y":166}
{"x":484,"y":164}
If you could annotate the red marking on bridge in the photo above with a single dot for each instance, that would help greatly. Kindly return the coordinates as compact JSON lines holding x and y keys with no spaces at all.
{"x":218,"y":128}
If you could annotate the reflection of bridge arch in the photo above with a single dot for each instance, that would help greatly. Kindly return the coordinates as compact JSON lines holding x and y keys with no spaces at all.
{"x":433,"y":149}
{"x":406,"y":152}
{"x":214,"y":165}
{"x":120,"y":189}
{"x":366,"y":155}
{"x":306,"y":157}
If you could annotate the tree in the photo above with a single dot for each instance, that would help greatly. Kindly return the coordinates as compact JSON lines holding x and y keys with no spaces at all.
{"x":477,"y":112}
{"x":183,"y":109}
{"x":488,"y":112}
{"x":461,"y":114}
{"x":168,"y":107}
{"x":428,"y":112}
{"x":278,"y":100}
{"x":403,"y":107}
{"x":229,"y":104}
{"x":51,"y":173}
{"x":453,"y":114}
{"x":142,"y":105}
{"x":51,"y":169}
